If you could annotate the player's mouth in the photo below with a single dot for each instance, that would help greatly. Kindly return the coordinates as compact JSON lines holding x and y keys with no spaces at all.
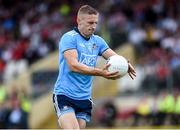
{"x":91,"y":30}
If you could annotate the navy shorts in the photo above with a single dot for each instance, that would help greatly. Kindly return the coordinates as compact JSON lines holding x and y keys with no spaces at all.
{"x":81,"y":108}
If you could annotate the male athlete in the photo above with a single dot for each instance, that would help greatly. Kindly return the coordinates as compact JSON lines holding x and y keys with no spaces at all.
{"x":78,"y":51}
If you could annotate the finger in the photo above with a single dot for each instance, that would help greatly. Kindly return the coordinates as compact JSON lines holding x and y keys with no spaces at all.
{"x":113,"y":73}
{"x":131,"y":76}
{"x":117,"y":76}
{"x":134,"y":74}
{"x":107,"y":66}
{"x":113,"y":76}
{"x":131,"y":68}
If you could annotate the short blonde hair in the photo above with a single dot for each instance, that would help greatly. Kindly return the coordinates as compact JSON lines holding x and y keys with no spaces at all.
{"x":86,"y":9}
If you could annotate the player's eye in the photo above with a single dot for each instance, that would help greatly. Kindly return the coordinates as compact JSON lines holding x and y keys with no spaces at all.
{"x":92,"y":22}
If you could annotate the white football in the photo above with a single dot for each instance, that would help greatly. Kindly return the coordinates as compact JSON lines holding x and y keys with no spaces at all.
{"x":118,"y":63}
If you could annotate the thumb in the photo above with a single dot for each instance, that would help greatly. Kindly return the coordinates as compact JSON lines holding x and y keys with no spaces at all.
{"x":106,"y":66}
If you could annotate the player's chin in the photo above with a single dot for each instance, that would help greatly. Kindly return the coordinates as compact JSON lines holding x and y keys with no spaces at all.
{"x":91,"y":32}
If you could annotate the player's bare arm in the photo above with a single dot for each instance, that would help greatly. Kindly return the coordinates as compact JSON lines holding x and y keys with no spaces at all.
{"x":74,"y":65}
{"x":108,"y":53}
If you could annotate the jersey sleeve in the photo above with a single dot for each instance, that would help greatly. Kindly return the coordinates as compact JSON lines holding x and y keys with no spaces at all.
{"x":67,"y":42}
{"x":103,"y":46}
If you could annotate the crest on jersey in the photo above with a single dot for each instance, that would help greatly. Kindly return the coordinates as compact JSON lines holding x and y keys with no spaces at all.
{"x":94,"y":46}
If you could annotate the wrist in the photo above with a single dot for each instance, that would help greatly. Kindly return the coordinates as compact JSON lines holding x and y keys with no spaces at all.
{"x":97,"y":72}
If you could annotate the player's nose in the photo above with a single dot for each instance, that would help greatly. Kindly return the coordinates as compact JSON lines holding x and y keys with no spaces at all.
{"x":93,"y":27}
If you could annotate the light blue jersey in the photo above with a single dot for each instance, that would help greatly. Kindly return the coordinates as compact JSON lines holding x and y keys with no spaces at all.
{"x":75,"y":85}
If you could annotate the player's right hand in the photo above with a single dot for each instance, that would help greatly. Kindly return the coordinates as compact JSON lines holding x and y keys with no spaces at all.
{"x":109,"y":75}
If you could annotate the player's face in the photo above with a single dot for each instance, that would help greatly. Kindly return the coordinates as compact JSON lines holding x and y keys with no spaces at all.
{"x":87,"y":24}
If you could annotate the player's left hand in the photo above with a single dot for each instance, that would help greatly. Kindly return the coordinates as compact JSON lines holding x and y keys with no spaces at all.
{"x":131,"y":70}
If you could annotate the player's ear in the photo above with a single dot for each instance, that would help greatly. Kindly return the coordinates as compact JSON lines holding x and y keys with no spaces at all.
{"x":78,"y":20}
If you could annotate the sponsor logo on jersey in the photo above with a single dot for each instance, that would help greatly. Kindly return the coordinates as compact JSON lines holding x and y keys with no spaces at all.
{"x":89,"y":60}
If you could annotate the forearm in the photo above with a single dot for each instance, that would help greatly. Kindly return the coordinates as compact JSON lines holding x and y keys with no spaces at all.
{"x":84,"y":69}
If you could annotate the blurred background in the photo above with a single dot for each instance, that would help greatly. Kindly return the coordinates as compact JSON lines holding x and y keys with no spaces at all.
{"x":145,"y":31}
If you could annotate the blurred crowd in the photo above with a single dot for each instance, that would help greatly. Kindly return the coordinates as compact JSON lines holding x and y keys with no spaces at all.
{"x":30,"y":30}
{"x":160,"y":110}
{"x":15,"y":107}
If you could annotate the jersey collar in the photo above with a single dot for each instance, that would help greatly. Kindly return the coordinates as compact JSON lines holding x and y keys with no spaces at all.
{"x":77,"y":30}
